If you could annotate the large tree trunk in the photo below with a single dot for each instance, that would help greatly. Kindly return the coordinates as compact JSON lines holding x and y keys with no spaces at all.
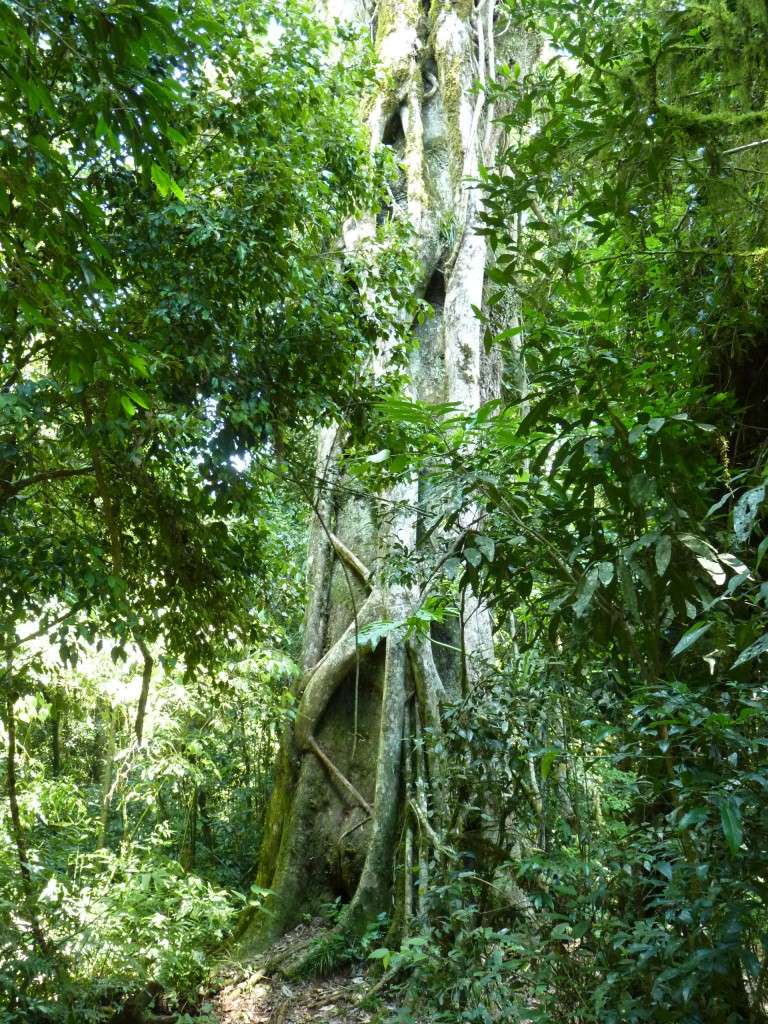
{"x":338,"y":811}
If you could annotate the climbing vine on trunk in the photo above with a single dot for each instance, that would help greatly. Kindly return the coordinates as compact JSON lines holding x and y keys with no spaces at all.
{"x":358,"y":790}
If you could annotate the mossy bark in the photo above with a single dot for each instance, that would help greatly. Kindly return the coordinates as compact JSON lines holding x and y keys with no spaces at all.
{"x":320,"y":840}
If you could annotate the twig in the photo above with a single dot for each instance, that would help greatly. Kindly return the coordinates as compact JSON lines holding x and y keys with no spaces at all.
{"x":748,"y":145}
{"x":384,"y":980}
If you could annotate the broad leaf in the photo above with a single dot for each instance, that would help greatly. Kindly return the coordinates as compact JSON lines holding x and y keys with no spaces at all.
{"x":730,"y":815}
{"x":663,"y":554}
{"x":753,"y":651}
{"x":690,"y":638}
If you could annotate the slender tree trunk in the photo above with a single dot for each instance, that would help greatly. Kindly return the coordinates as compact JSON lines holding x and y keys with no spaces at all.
{"x":106,"y":778}
{"x":56,"y":742}
{"x":189,"y":841}
{"x":338,"y":805}
{"x":27,"y":887}
{"x":146,"y":679}
{"x":206,"y":825}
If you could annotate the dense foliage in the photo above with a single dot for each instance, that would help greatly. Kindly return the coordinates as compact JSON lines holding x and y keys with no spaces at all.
{"x":141,"y":857}
{"x":610,"y":777}
{"x":171,"y":300}
{"x":176,"y":310}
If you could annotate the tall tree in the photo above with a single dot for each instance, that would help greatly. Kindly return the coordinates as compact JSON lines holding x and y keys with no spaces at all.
{"x":375,"y":668}
{"x":171,"y":192}
{"x":157,"y":294}
{"x":614,"y":757}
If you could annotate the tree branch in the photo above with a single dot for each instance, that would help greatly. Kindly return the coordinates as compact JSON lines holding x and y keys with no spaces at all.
{"x":146,"y":678}
{"x":49,"y":625}
{"x":741,"y":149}
{"x":55,"y":474}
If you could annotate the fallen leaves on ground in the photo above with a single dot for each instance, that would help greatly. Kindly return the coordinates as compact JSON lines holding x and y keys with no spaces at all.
{"x":250,"y":997}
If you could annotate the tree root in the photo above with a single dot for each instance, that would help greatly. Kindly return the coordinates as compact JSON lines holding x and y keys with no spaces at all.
{"x":386,"y":979}
{"x":430,"y":692}
{"x":374,"y":887}
{"x":337,"y":774}
{"x":331,"y":671}
{"x":276,"y":962}
{"x":351,"y":559}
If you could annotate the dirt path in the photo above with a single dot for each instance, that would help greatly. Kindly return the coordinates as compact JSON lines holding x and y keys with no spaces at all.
{"x":259,"y":1000}
{"x":250,"y":997}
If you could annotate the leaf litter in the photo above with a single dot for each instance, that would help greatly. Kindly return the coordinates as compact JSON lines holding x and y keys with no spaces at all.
{"x":251,"y":996}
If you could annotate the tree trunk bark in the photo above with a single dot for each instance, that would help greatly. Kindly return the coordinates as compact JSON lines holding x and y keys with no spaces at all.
{"x":188,"y":853}
{"x":56,"y":741}
{"x":106,"y":777}
{"x":337,"y":811}
{"x":146,"y":679}
{"x":17,"y":829}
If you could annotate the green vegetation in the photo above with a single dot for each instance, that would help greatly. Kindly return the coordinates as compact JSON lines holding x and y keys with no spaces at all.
{"x":608,"y":816}
{"x":178,"y":316}
{"x":175,"y":309}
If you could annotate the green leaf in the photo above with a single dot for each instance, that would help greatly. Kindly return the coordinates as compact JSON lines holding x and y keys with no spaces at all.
{"x":628,"y":590}
{"x":713,"y":569}
{"x":486,"y":545}
{"x":690,"y":638}
{"x":581,"y":928}
{"x":605,"y":572}
{"x":176,"y":189}
{"x":546,"y":763}
{"x":732,"y":829}
{"x":751,"y":963}
{"x":692,"y":817}
{"x":586,"y":590}
{"x":733,"y":563}
{"x":141,"y":398}
{"x":473,"y":556}
{"x":641,"y":489}
{"x":753,"y":651}
{"x":663,"y":554}
{"x":161,"y":179}
{"x":697,"y":545}
{"x":762,"y":548}
{"x":370,"y":636}
{"x":746,"y":510}
{"x":175,"y":136}
{"x":537,"y":413}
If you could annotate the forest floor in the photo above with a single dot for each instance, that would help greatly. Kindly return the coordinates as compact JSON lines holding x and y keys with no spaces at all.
{"x":253,"y":997}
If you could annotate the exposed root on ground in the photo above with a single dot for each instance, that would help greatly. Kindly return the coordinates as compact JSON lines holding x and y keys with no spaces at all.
{"x":260,"y":993}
